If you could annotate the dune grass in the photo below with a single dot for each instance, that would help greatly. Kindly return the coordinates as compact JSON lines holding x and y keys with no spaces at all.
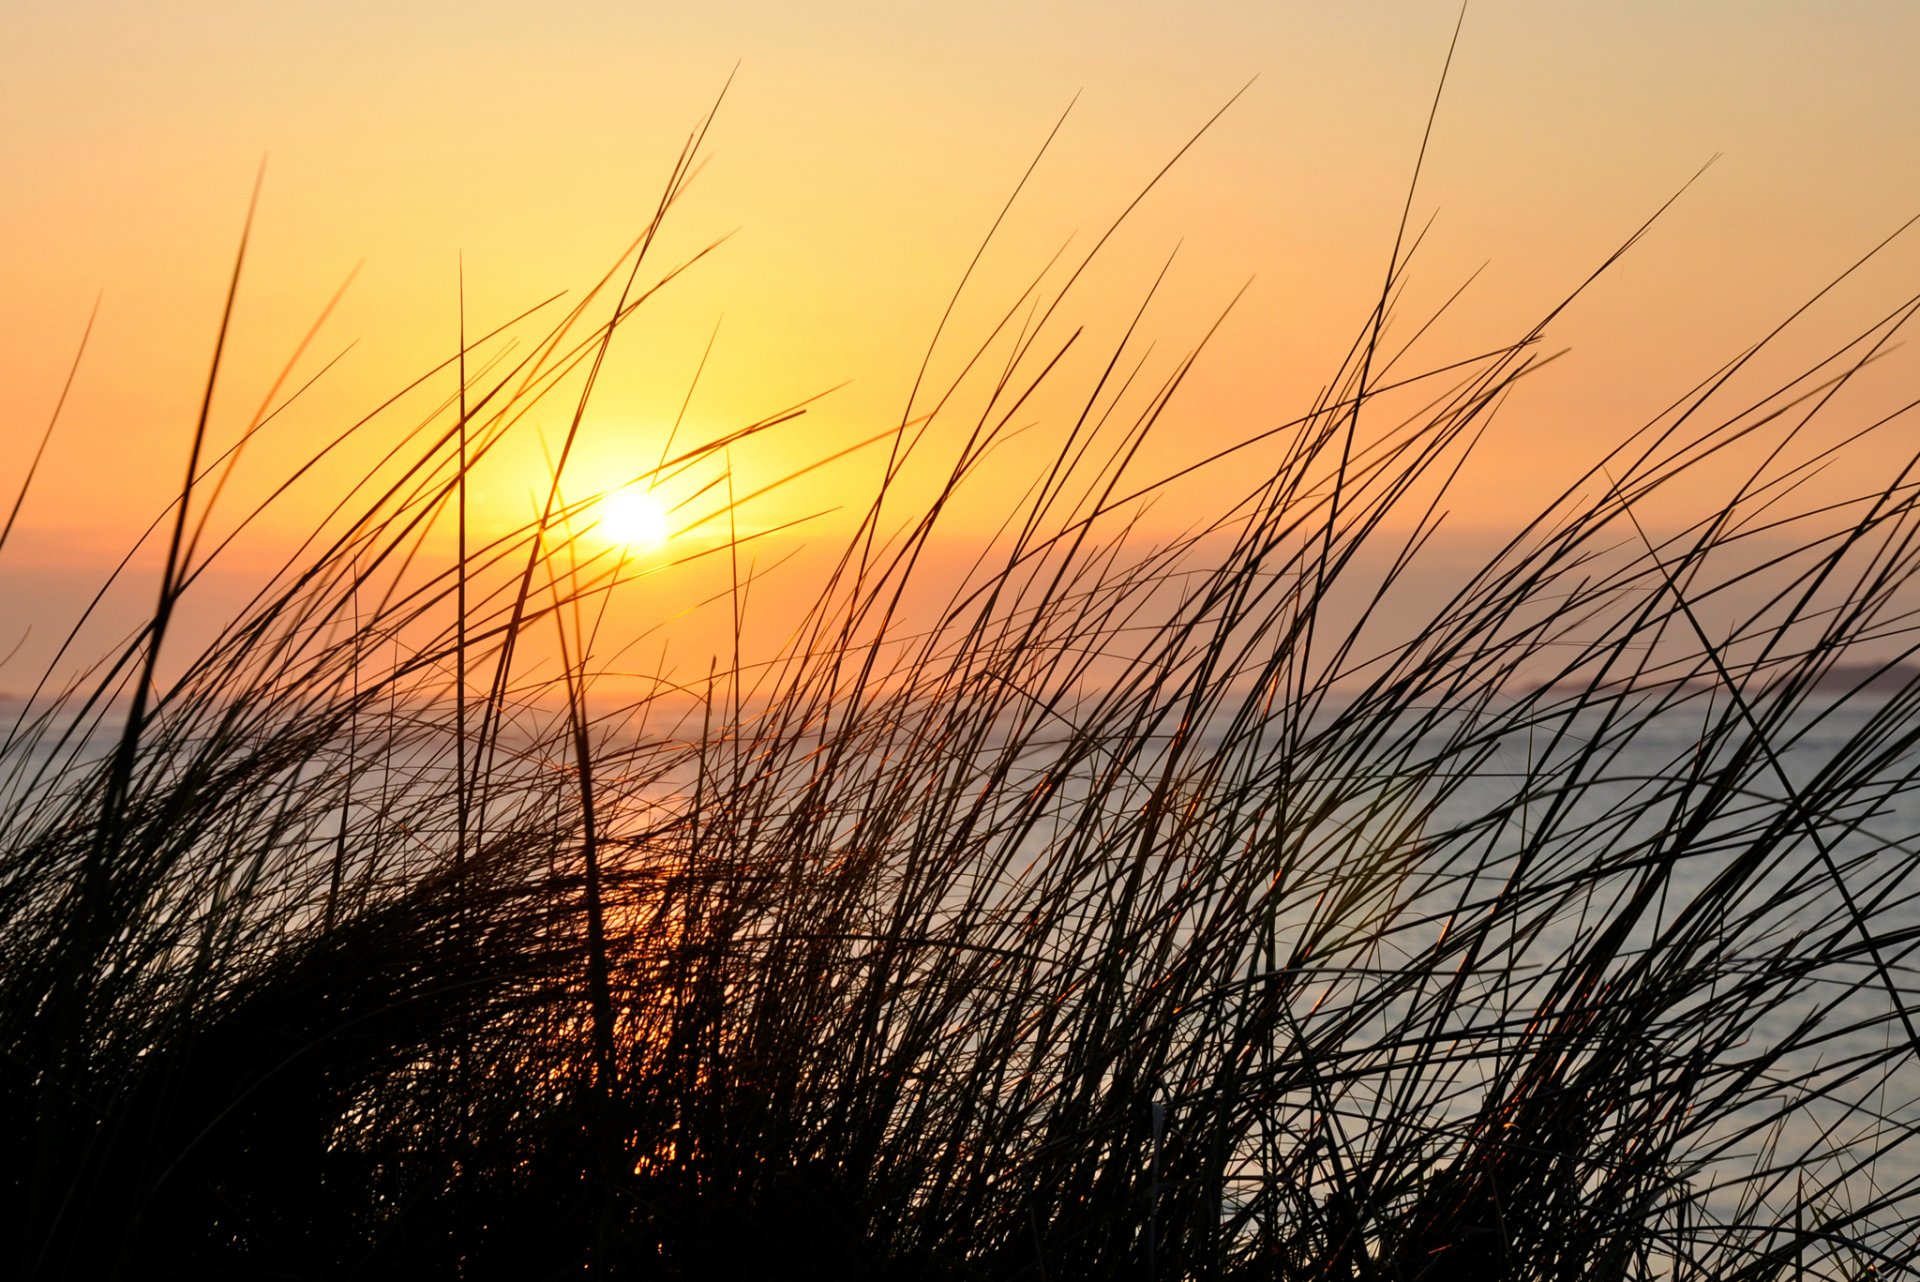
{"x":1133,"y":911}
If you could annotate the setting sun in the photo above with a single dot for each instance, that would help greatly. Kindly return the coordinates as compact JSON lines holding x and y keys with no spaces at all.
{"x":631,"y":517}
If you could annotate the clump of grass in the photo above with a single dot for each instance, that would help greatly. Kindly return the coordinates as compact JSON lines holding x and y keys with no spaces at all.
{"x":1131,"y":914}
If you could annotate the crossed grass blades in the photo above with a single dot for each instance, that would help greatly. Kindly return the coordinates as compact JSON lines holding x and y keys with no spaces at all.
{"x":1127,"y":914}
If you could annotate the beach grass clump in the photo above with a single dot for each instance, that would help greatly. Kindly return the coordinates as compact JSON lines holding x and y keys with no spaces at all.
{"x":1125,"y":906}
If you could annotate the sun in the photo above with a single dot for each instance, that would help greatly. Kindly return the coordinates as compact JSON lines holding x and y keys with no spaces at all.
{"x":631,"y":517}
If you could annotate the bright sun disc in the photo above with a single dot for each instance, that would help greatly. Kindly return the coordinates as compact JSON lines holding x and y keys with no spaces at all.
{"x":632,"y":517}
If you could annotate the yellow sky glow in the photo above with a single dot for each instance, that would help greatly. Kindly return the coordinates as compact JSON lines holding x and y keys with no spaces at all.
{"x":859,"y":156}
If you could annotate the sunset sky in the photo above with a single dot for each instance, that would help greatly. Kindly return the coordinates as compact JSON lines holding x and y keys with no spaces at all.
{"x":859,"y":156}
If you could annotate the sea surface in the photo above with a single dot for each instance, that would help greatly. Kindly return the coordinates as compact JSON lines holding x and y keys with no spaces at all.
{"x":1792,"y":865}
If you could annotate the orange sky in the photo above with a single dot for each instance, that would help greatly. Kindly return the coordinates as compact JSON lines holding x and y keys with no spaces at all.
{"x":860,"y":155}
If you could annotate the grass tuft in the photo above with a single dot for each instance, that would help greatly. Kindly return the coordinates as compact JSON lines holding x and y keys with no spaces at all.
{"x":1121,"y":906}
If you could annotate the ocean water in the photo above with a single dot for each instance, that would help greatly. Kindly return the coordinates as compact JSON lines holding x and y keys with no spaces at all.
{"x":1783,"y":879}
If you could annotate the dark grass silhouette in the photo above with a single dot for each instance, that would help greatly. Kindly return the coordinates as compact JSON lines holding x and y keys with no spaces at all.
{"x":1136,"y":916}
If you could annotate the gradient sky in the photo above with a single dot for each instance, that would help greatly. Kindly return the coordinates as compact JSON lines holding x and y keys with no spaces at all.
{"x":858,"y":158}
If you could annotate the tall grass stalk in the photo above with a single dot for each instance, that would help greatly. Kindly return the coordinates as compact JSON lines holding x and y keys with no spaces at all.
{"x":1137,"y":909}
